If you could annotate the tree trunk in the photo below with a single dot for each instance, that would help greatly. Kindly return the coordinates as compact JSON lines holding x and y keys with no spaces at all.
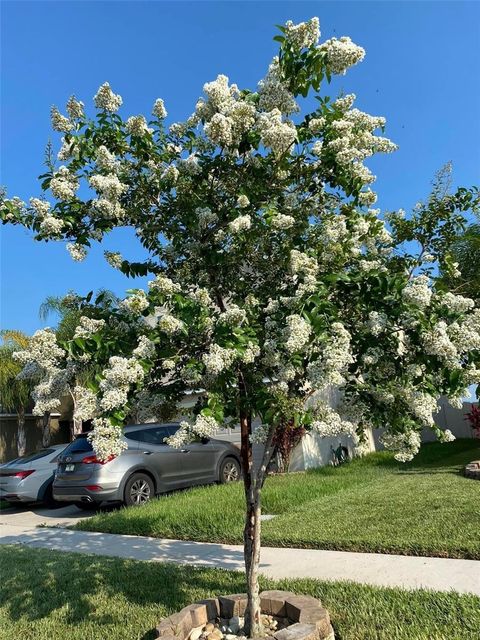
{"x":253,"y":483}
{"x":21,"y":435}
{"x":46,"y":430}
{"x":76,"y":426}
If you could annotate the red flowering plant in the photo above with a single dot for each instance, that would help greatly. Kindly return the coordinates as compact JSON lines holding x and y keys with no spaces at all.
{"x":473,"y":417}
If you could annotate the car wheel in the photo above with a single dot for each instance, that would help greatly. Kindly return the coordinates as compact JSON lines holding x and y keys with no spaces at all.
{"x":229,"y":471}
{"x":49,"y":501}
{"x":138,"y":490}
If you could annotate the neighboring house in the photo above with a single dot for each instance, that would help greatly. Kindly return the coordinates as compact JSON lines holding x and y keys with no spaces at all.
{"x":313,"y":451}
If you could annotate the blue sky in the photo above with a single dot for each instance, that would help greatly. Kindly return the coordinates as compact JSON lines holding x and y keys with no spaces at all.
{"x":421,"y":72}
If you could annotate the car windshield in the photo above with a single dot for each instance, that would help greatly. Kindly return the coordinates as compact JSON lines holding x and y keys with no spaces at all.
{"x":31,"y":457}
{"x":79,"y":445}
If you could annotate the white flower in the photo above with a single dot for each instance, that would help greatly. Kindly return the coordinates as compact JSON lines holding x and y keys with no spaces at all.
{"x":406,"y":445}
{"x":297,"y":333}
{"x":281,"y":221}
{"x":276,"y":134}
{"x":86,"y":403}
{"x":219,"y":130}
{"x":164,"y":285}
{"x":233,"y":316}
{"x":106,"y":99}
{"x":87,"y":327}
{"x":300,"y":263}
{"x":145,"y":348}
{"x":137,"y":126}
{"x":341,"y":54}
{"x":41,"y":207}
{"x":242,"y":223}
{"x":274,"y":92}
{"x":447,"y":436}
{"x":159,"y":109}
{"x":114,"y":259}
{"x":377,"y":322}
{"x":457,"y":303}
{"x":217,"y":359}
{"x":108,"y":186}
{"x":51,"y":226}
{"x":59,"y":122}
{"x":304,"y":34}
{"x":243,"y":201}
{"x":64,"y":184}
{"x":169,"y":324}
{"x":106,"y":439}
{"x":77,"y":251}
{"x":75,"y":108}
{"x":106,"y":160}
{"x":418,"y":291}
{"x":136,"y":303}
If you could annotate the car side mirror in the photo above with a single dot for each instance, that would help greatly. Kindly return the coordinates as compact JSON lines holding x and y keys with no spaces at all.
{"x":205,"y":440}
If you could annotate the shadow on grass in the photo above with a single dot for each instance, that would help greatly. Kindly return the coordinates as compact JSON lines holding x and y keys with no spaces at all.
{"x":35,"y":585}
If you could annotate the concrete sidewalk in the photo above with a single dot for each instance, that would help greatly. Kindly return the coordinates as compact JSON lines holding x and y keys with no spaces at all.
{"x":409,"y":572}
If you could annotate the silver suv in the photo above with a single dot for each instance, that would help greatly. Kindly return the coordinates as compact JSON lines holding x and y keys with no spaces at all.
{"x":146,"y":468}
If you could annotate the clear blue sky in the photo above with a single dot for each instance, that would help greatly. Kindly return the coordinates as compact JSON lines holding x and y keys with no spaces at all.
{"x":421,"y":72}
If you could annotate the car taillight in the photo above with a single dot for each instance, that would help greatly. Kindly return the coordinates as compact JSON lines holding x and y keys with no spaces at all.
{"x":95,"y":460}
{"x":18,"y":474}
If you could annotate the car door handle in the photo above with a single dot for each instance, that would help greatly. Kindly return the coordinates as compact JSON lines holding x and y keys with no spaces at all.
{"x":184,"y":450}
{"x":148,"y":453}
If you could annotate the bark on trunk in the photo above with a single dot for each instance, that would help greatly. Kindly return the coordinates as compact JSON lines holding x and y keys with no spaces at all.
{"x":253,"y":482}
{"x":46,"y":430}
{"x":76,"y":426}
{"x":21,"y":435}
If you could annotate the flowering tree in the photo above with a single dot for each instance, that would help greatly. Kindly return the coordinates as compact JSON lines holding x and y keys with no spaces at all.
{"x":15,"y":389}
{"x":272,"y":279}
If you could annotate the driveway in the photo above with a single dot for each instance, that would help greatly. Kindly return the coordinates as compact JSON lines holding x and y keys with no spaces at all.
{"x":26,"y":517}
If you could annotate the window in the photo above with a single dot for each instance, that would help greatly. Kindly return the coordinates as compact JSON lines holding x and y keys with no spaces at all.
{"x":78,"y":446}
{"x":32,"y":456}
{"x":153,"y":435}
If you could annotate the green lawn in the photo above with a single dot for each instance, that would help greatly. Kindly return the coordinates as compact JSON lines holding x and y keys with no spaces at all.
{"x":372,"y":504}
{"x":49,"y":595}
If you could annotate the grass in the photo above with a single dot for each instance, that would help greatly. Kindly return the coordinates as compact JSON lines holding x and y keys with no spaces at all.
{"x":49,"y":595}
{"x":373,"y":504}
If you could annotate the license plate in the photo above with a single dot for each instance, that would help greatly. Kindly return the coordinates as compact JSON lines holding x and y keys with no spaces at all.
{"x":69,"y":467}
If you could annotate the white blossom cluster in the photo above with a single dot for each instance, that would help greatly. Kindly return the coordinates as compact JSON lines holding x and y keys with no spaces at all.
{"x":274,"y":92}
{"x":108,"y":186}
{"x":168,"y":323}
{"x":456,"y":303}
{"x":51,"y":226}
{"x":278,"y":135}
{"x":377,"y":323}
{"x":106,"y":160}
{"x":64,"y":184}
{"x":117,"y":378}
{"x":106,"y":99}
{"x":329,"y":423}
{"x":136,"y":303}
{"x":164,"y":285}
{"x":75,"y":108}
{"x":41,"y":361}
{"x":203,"y":427}
{"x":233,"y":316}
{"x":200,"y":295}
{"x":241,"y":223}
{"x":281,"y":221}
{"x":333,"y":361}
{"x":297,"y":333}
{"x":243,"y":201}
{"x":87,"y":327}
{"x":406,"y":445}
{"x":217,"y":359}
{"x":418,"y":291}
{"x":114,"y":258}
{"x":421,"y":405}
{"x":59,"y":122}
{"x":106,"y":439}
{"x":145,"y":348}
{"x":86,"y":405}
{"x":41,"y":207}
{"x":304,"y":34}
{"x":341,"y":54}
{"x":159,"y":109}
{"x":77,"y":251}
{"x":300,"y":263}
{"x":137,"y":126}
{"x":260,"y":434}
